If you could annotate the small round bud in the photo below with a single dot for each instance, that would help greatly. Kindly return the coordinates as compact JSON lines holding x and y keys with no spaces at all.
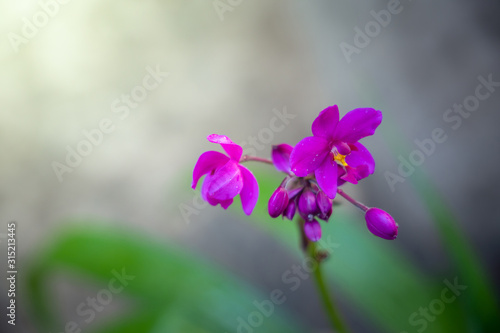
{"x":289,"y":212}
{"x":381,"y":224}
{"x":307,"y":204}
{"x":324,"y":205}
{"x":278,"y":202}
{"x":312,"y":229}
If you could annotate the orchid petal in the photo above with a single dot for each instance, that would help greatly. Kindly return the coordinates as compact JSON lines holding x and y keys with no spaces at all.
{"x":360,"y":164}
{"x":207,"y":162}
{"x":223,"y":203}
{"x":250,"y":192}
{"x":361,"y":156}
{"x":212,"y":201}
{"x":278,"y":202}
{"x":281,"y":157}
{"x":326,"y":176}
{"x":308,"y":155}
{"x":226,"y":182}
{"x":226,"y":203}
{"x":312,"y":230}
{"x":340,"y":173}
{"x":232,"y":149}
{"x":204,"y":188}
{"x":357,"y":124}
{"x":325,"y":124}
{"x":354,"y":175}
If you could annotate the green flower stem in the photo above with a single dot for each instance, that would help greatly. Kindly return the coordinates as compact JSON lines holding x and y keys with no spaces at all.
{"x":329,"y":307}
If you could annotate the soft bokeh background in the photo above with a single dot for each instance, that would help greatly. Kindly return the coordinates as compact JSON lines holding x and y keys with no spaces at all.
{"x":227,"y":76}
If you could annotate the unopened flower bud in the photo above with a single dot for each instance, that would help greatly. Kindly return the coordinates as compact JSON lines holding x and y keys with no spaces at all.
{"x":281,"y":157}
{"x":324,"y":205}
{"x":278,"y":202}
{"x":289,"y":212}
{"x":381,"y":224}
{"x":312,"y":229}
{"x":307,"y":204}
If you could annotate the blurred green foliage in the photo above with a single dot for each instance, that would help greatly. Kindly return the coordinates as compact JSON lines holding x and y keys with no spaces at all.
{"x":175,"y":292}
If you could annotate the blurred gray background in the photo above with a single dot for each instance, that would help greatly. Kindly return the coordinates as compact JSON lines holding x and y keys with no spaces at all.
{"x":226,"y":76}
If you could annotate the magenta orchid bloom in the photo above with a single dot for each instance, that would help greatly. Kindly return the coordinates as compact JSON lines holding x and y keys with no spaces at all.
{"x":225,"y":176}
{"x":333,"y":153}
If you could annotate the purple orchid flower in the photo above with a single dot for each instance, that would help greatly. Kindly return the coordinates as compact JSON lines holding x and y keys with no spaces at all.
{"x":333,"y":153}
{"x":225,"y":176}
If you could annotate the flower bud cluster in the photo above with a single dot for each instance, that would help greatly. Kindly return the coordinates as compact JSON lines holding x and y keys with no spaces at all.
{"x":297,"y":194}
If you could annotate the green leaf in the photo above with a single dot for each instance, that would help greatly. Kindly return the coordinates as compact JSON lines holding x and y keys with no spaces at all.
{"x":141,"y":322}
{"x":180,"y":292}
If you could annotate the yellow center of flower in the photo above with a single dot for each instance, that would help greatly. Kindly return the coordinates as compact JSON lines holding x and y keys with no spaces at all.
{"x":339,"y":158}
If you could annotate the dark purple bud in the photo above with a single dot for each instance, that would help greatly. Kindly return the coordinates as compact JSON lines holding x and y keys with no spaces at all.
{"x":289,"y":212}
{"x":281,"y":157}
{"x":294,"y":185}
{"x":307,"y":204}
{"x":381,"y":224}
{"x":312,"y":229}
{"x":278,"y":202}
{"x":324,"y":205}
